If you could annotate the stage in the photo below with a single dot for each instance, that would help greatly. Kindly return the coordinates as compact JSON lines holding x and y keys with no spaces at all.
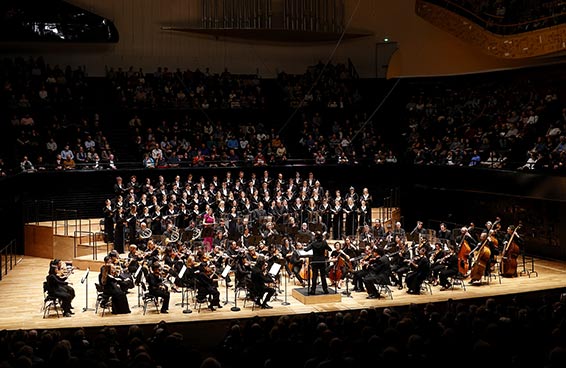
{"x":22,"y":298}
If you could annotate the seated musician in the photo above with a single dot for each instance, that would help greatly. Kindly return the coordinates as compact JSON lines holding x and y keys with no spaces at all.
{"x":351,"y":249}
{"x":252,"y":255}
{"x":436,"y":261}
{"x":379,"y":273}
{"x":399,"y":257}
{"x":123,"y":276}
{"x":151,"y":254}
{"x":135,"y":259}
{"x":420,"y":271}
{"x":170,"y":260}
{"x":362,"y":271}
{"x":296,"y":263}
{"x":109,"y":278}
{"x":58,"y":286}
{"x":157,"y":287}
{"x":378,"y":231}
{"x":142,"y":235}
{"x":260,"y":280}
{"x":450,"y":263}
{"x":242,"y":270}
{"x":304,"y":234}
{"x":338,"y":265}
{"x":207,"y":284}
{"x":366,"y":236}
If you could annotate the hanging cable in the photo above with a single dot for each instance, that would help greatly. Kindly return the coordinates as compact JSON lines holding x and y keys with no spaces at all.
{"x":323,"y":69}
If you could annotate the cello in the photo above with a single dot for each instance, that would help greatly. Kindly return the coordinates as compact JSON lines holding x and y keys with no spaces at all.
{"x":509,"y":256}
{"x":335,"y":273}
{"x":464,"y":251}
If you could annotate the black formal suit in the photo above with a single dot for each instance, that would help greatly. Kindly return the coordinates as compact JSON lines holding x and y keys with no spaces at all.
{"x":319,"y":249}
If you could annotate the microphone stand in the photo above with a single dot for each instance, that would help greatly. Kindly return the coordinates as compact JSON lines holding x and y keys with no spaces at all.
{"x":83,"y":280}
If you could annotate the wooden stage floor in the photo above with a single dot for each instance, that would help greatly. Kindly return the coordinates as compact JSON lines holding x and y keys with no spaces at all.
{"x":22,"y":299}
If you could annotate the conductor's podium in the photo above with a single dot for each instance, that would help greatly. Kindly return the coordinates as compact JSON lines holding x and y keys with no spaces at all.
{"x":302,"y":295}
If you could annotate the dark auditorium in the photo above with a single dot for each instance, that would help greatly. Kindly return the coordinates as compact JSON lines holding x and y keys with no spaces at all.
{"x":283,"y":183}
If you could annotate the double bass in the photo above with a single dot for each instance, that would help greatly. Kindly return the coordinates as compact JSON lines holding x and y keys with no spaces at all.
{"x":464,"y":251}
{"x":482,"y":255}
{"x":509,"y":256}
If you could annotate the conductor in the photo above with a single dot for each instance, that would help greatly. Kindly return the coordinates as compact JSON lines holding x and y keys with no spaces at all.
{"x":320,"y":248}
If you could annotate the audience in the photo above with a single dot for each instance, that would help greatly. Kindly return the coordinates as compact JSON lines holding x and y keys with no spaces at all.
{"x":522,"y":331}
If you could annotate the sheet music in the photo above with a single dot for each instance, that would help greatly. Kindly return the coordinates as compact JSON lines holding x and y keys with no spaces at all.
{"x":303,"y":253}
{"x":274,"y":270}
{"x":226,"y":271}
{"x":182,"y":272}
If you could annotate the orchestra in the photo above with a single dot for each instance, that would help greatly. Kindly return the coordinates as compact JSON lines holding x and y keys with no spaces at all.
{"x":185,"y":234}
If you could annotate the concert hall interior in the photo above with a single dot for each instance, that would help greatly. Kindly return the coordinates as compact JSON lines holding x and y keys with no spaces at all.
{"x":283,"y":183}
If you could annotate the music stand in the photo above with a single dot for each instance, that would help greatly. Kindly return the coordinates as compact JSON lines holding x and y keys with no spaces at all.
{"x":184,"y":292}
{"x":307,"y":254}
{"x":83,"y":280}
{"x":273,"y":271}
{"x":224,"y":275}
{"x":285,"y":302}
{"x":138,"y":282}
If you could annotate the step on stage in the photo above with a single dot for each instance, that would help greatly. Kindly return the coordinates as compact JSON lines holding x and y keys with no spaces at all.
{"x":302,"y":295}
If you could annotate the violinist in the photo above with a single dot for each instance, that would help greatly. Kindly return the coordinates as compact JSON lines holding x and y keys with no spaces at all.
{"x":252,"y":255}
{"x":366,"y":236}
{"x":260,"y":281}
{"x":378,"y":232}
{"x":157,"y":287}
{"x":450,"y":263}
{"x":351,"y":250}
{"x":379,"y":272}
{"x":420,"y":271}
{"x":135,"y":257}
{"x":151,"y":254}
{"x":110,"y":281}
{"x":58,"y":286}
{"x":358,"y":275}
{"x":125,"y":280}
{"x":242,"y":270}
{"x":171,"y":259}
{"x":207,"y":284}
{"x":436,"y":261}
{"x":399,"y":262}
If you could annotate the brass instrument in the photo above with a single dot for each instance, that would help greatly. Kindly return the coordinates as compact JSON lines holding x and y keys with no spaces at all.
{"x":146,"y":233}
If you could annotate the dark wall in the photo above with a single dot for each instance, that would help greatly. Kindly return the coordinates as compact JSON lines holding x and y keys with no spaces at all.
{"x":457,"y":196}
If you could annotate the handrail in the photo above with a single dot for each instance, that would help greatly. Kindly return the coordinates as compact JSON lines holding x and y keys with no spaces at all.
{"x":91,"y":240}
{"x":66,"y":220}
{"x":7,"y":257}
{"x":488,"y":23}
